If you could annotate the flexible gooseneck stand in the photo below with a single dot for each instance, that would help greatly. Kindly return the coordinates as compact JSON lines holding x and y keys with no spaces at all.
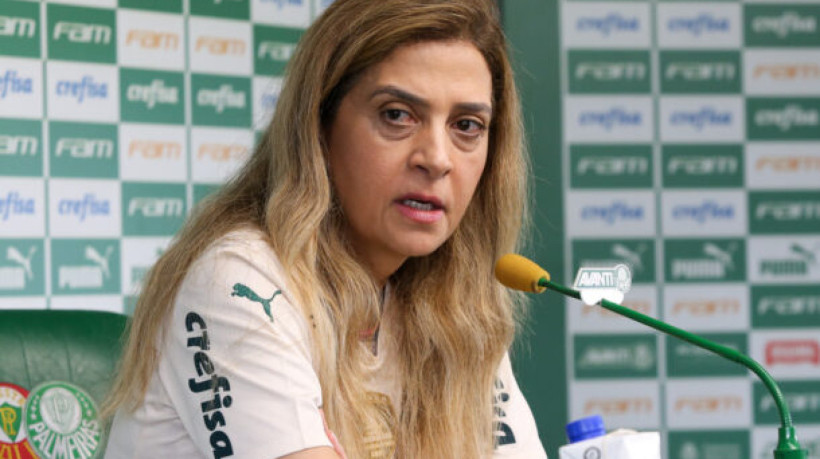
{"x":787,"y":445}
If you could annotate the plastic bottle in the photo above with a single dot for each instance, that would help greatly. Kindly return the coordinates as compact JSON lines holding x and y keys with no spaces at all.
{"x":588,"y":440}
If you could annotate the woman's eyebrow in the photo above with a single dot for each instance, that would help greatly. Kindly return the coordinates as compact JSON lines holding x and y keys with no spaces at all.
{"x":474,"y":107}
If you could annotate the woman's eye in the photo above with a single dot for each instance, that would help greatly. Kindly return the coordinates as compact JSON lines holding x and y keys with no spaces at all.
{"x":470,"y":126}
{"x":395,"y":115}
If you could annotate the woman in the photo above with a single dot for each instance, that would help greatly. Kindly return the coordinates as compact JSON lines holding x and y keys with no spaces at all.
{"x":345,"y":273}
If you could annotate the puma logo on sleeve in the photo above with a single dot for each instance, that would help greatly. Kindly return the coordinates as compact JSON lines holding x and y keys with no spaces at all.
{"x":243,"y":291}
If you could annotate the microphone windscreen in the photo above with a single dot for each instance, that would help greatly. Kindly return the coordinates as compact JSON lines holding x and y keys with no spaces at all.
{"x":520,"y":273}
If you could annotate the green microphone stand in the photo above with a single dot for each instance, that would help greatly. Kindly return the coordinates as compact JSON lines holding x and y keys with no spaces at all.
{"x":787,"y":445}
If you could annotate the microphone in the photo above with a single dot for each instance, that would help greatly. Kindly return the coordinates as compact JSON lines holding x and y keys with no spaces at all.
{"x":520,"y":273}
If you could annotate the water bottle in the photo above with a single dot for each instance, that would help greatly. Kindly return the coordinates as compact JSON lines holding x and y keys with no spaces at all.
{"x":588,"y":440}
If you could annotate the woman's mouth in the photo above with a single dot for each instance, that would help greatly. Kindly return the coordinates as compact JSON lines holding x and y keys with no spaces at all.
{"x":421,"y":209}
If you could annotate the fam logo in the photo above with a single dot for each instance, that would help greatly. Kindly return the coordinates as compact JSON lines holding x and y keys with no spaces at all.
{"x":16,"y":204}
{"x":18,"y":145}
{"x":687,"y":166}
{"x":784,"y":212}
{"x":711,"y":405}
{"x":619,"y":406}
{"x":78,"y":32}
{"x":82,"y":90}
{"x":152,"y":39}
{"x":612,"y":165}
{"x":694,"y":260}
{"x":699,"y":119}
{"x":609,"y":71}
{"x":13,"y":83}
{"x":786,"y":306}
{"x":708,"y":210}
{"x":16,"y":26}
{"x":793,"y":352}
{"x":275,"y":50}
{"x":609,"y":24}
{"x":703,"y":23}
{"x":154,"y":149}
{"x":709,"y":307}
{"x":803,"y":398}
{"x":222,"y":152}
{"x":788,"y":163}
{"x":220,"y":46}
{"x":613,"y":118}
{"x":21,"y":267}
{"x":83,"y":150}
{"x":152,"y":209}
{"x":701,"y":71}
{"x":81,"y":34}
{"x":787,"y":72}
{"x":598,"y":356}
{"x":274,"y":46}
{"x":85,"y":266}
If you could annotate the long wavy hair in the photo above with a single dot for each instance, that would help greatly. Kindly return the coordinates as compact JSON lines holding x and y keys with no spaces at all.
{"x":453,"y":321}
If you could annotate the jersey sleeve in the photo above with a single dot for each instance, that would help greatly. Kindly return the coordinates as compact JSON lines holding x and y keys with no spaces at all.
{"x":236,"y":358}
{"x":515,"y":430}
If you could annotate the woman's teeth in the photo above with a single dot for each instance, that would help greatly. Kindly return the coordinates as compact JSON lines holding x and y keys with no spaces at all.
{"x":418,"y":204}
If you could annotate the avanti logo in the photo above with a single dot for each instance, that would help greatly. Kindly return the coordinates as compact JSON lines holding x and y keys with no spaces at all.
{"x":697,"y":25}
{"x":701,"y":118}
{"x":86,"y":88}
{"x":153,"y":207}
{"x":153,"y":94}
{"x":18,"y":145}
{"x":11,"y":83}
{"x":638,"y":357}
{"x":224,"y":97}
{"x":695,"y":71}
{"x":151,"y":39}
{"x":78,"y":32}
{"x":792,"y":115}
{"x":87,"y":206}
{"x":615,"y":212}
{"x":15,"y":204}
{"x":90,"y":275}
{"x":715,"y":263}
{"x":596,"y":284}
{"x":275,"y":50}
{"x":627,"y":356}
{"x":798,"y":264}
{"x":19,"y":271}
{"x":787,"y":23}
{"x":615,"y":116}
{"x":793,"y":352}
{"x":606,"y":25}
{"x":12,"y":26}
{"x":85,"y":148}
{"x":707,"y":210}
{"x":154,"y":149}
{"x":220,"y":46}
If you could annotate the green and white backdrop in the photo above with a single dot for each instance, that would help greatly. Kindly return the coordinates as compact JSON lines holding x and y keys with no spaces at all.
{"x":681,"y":138}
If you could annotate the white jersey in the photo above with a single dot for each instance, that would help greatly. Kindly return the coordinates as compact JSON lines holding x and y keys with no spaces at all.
{"x":236,"y":375}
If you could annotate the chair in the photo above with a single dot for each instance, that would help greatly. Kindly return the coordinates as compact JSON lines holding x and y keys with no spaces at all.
{"x":80,"y":347}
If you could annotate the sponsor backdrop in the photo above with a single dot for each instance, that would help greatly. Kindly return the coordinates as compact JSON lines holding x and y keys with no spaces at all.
{"x":691,"y":153}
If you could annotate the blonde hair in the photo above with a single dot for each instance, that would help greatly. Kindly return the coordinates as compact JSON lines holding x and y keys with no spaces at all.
{"x":454,"y":322}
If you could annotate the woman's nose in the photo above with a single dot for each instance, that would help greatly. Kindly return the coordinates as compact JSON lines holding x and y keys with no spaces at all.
{"x":432,"y":152}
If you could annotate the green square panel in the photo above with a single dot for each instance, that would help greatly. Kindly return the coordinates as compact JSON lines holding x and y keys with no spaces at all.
{"x":82,"y":34}
{"x":20,"y":29}
{"x":21,"y":148}
{"x":83,"y":150}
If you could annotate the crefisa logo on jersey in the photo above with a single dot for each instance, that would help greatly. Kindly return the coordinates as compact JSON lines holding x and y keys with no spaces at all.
{"x":703,"y":23}
{"x":596,"y":284}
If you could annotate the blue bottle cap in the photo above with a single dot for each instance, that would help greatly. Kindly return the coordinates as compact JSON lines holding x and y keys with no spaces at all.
{"x":585,"y":428}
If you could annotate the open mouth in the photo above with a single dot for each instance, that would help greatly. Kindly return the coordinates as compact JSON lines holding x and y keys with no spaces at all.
{"x":420,"y":204}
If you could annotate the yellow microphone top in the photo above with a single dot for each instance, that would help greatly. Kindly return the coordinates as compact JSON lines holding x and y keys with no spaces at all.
{"x":520,"y":273}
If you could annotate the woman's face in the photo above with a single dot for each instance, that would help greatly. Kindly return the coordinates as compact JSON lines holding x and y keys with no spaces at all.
{"x":407,"y":147}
